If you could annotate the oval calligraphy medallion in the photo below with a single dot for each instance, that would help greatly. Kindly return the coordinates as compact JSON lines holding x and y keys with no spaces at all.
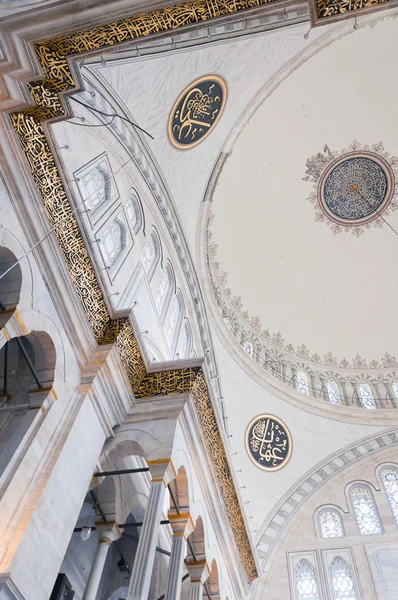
{"x":196,"y":111}
{"x":268,"y":442}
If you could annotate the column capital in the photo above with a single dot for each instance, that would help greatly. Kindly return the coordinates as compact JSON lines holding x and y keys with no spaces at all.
{"x":198,"y":571}
{"x":108,"y":532}
{"x":181,"y":524}
{"x":162,"y":470}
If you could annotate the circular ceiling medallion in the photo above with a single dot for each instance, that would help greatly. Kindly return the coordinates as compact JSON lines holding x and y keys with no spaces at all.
{"x":356,"y":188}
{"x":268,"y":442}
{"x":196,"y":111}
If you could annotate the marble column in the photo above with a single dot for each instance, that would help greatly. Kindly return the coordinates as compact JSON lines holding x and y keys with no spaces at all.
{"x":198,"y":572}
{"x":182,"y":526}
{"x":107,"y":533}
{"x":162,"y":472}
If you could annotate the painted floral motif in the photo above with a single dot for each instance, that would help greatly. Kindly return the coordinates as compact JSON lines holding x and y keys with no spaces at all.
{"x":251,"y":327}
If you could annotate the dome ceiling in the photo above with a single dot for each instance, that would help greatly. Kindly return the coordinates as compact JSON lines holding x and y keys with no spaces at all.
{"x":303,"y":233}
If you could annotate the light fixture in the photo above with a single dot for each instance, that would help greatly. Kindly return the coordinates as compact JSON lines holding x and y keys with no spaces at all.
{"x":85,"y":533}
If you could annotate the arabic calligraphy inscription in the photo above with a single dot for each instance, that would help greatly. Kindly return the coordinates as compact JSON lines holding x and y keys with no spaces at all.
{"x":197,"y":111}
{"x":268,"y":442}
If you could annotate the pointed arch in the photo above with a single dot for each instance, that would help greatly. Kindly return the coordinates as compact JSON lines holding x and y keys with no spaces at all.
{"x":366,"y":395}
{"x":151,"y":254}
{"x":95,"y":187}
{"x":334,"y":391}
{"x":165,"y":292}
{"x":389,"y":479}
{"x":330,"y":523}
{"x":11,"y":284}
{"x":342,"y":581}
{"x":185,"y":342}
{"x":174,"y":321}
{"x":306,"y":581}
{"x":302,"y":380}
{"x":134,"y":211}
{"x":365,"y":510}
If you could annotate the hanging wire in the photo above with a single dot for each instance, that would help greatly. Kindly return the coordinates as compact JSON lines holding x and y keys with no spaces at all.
{"x":97,"y":110}
{"x":62,"y":221}
{"x":86,"y":125}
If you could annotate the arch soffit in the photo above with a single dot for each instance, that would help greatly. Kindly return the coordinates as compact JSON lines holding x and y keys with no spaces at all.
{"x":293,"y":500}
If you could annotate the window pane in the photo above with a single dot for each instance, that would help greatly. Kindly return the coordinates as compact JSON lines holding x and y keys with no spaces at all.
{"x":366,"y":394}
{"x":248,"y":347}
{"x":365,"y":510}
{"x":302,"y":382}
{"x":306,"y":584}
{"x":331,"y":525}
{"x":389,"y":478}
{"x":333,"y":391}
{"x":93,"y":186}
{"x":395,"y":387}
{"x":111,"y":239}
{"x":342,"y":582}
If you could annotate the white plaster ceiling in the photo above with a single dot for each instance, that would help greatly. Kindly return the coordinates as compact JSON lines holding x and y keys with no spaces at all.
{"x":330,"y":292}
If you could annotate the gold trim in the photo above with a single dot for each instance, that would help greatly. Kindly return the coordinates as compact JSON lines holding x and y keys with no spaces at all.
{"x":289,"y":437}
{"x":53,"y":57}
{"x":223,"y":86}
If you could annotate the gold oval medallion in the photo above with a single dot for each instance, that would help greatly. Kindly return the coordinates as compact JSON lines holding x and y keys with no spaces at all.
{"x":196,"y":111}
{"x":268,"y":442}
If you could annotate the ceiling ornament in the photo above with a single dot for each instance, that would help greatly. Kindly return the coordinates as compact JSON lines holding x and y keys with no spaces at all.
{"x":353,"y":189}
{"x":268,"y":443}
{"x":197,"y":111}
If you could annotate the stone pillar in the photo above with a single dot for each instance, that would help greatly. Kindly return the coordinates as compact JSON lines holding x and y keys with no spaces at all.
{"x":182,"y":526}
{"x":107,"y":533}
{"x":198,"y":572}
{"x":162,"y":472}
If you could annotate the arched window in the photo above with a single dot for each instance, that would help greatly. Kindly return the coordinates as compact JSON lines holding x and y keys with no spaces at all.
{"x":333,"y":391}
{"x":185,"y":342}
{"x":134,"y":211}
{"x":113,"y":238}
{"x":366,"y":514}
{"x":248,"y":347}
{"x":389,"y":477}
{"x":366,"y":395}
{"x":176,"y":315}
{"x":306,"y":583}
{"x":330,"y":523}
{"x":95,"y":186}
{"x":302,"y":382}
{"x":164,"y":292}
{"x":342,"y":581}
{"x":230,"y":323}
{"x":394,"y":386}
{"x":151,"y":255}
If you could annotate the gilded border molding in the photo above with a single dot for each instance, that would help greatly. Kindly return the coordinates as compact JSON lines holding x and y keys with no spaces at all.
{"x":28,"y":125}
{"x":326,"y":11}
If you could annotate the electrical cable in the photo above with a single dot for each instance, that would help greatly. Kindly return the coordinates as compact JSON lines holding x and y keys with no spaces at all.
{"x":62,"y":221}
{"x":112,"y":115}
{"x":84,"y":124}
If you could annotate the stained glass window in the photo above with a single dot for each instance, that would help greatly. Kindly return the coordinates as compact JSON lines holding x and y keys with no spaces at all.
{"x":111,"y":239}
{"x":134,"y":212}
{"x":306,"y":584}
{"x":342,"y":581}
{"x":248,"y":347}
{"x":366,"y":394}
{"x":333,"y":391}
{"x":389,"y":477}
{"x":302,"y":382}
{"x":365,"y":510}
{"x":94,"y":187}
{"x":394,"y":386}
{"x":331,"y":523}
